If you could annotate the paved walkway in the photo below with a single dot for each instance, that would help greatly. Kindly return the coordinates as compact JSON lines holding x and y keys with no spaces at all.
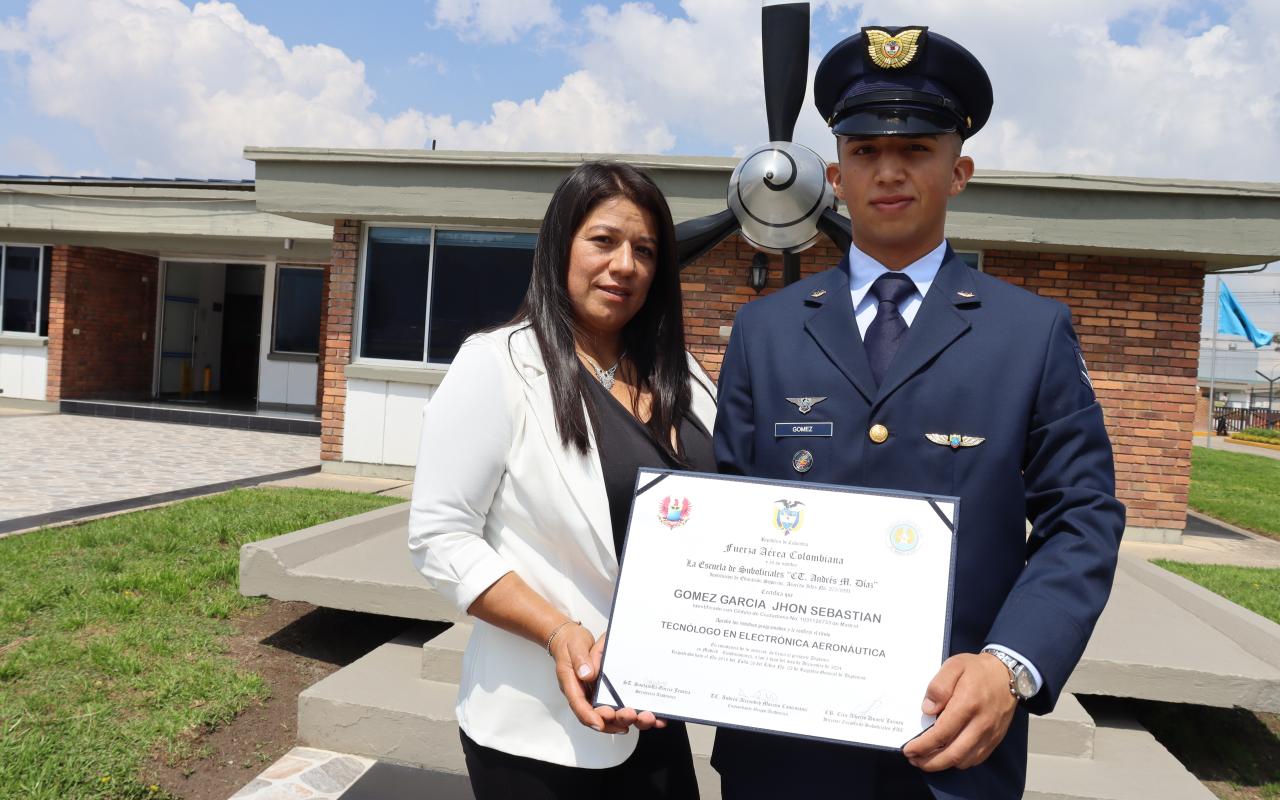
{"x":1210,"y":541}
{"x":51,"y":463}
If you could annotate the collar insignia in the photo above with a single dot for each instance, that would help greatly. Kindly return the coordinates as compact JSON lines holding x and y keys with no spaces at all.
{"x":805,"y":404}
{"x":955,"y":440}
{"x":888,"y":51}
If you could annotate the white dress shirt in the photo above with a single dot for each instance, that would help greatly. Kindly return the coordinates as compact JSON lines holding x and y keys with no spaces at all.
{"x":863,"y":271}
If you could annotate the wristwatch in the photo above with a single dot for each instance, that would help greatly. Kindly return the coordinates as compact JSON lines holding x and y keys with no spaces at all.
{"x":1021,"y":684}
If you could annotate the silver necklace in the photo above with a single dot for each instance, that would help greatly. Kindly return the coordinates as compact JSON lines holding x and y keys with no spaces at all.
{"x":605,"y":376}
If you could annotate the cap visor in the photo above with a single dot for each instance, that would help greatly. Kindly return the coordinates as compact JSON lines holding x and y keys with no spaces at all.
{"x":894,"y":122}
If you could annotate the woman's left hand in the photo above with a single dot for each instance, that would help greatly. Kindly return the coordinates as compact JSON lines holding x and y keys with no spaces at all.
{"x":622,"y":719}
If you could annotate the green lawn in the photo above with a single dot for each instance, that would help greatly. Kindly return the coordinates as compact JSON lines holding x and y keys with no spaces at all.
{"x":111,"y":637}
{"x":1255,"y":588}
{"x":1238,"y":488}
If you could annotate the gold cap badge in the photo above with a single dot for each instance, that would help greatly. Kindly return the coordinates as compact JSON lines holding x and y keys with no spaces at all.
{"x":888,"y":51}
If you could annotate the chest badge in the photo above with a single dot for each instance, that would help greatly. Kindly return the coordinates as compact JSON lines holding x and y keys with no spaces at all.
{"x":805,"y":404}
{"x":955,"y":440}
{"x":802,"y":461}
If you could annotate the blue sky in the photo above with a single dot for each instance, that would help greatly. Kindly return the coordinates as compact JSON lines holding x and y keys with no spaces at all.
{"x":1169,"y":88}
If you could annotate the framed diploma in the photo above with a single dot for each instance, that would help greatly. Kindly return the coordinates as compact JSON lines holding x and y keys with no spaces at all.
{"x":800,"y":609}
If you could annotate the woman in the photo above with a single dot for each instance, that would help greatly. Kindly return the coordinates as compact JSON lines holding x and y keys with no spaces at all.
{"x":523,"y":490}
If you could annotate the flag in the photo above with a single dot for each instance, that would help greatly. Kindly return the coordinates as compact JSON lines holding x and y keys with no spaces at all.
{"x":1232,"y":319}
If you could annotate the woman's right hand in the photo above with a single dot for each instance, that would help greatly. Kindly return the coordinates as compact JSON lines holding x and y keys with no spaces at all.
{"x":571,"y":648}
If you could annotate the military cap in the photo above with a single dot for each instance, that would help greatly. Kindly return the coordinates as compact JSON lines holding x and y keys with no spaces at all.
{"x":901,"y":81}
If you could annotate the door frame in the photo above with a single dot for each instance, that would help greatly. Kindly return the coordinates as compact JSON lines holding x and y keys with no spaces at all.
{"x":268,"y":265}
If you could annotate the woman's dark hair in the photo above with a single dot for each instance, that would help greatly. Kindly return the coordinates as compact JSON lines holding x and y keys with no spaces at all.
{"x":654,"y":338}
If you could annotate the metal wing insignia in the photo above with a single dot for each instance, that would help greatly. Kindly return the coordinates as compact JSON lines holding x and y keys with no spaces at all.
{"x":938,"y":438}
{"x":890,"y":52}
{"x":805,"y":404}
{"x":971,"y":441}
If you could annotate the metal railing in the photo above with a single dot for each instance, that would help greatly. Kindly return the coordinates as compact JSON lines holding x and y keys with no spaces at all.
{"x":1234,"y":420}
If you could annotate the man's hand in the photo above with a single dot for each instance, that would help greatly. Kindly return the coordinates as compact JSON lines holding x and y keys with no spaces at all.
{"x":970,"y":694}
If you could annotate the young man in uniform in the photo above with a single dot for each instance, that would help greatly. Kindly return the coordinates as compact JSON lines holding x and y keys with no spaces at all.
{"x":935,"y":378}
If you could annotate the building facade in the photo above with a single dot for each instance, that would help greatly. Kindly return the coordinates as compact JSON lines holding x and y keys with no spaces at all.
{"x":427,"y":246}
{"x":143,"y":290}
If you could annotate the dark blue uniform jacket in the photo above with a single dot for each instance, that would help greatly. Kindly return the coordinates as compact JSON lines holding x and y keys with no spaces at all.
{"x":982,"y":358}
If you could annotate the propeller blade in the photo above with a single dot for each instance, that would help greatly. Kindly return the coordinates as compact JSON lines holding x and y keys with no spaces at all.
{"x":785,"y":31}
{"x":695,"y":237}
{"x":837,"y":228}
{"x":790,"y":268}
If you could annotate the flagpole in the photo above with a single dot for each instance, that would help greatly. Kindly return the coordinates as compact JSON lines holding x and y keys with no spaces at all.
{"x":1213,"y":362}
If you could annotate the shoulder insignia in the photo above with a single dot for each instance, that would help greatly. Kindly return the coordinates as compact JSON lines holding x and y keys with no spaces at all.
{"x":966,"y":295}
{"x":892,"y":52}
{"x":819,"y":293}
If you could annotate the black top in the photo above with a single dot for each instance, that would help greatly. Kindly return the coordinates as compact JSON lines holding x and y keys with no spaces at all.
{"x":625,"y":446}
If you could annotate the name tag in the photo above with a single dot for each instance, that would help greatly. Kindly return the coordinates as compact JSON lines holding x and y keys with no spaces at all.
{"x":782,"y":429}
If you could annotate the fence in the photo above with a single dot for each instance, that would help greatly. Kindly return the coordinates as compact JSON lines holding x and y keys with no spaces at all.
{"x":1233,"y":420}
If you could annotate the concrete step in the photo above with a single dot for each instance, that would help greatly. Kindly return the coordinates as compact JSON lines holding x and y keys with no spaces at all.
{"x":1165,"y":638}
{"x":360,"y":563}
{"x":1127,"y":764}
{"x":1068,"y":731}
{"x":380,"y":707}
{"x":1160,"y":638}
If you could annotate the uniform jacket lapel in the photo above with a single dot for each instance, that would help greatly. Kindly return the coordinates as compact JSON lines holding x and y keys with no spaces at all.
{"x":834,"y":328}
{"x":937,"y":324}
{"x":582,"y":474}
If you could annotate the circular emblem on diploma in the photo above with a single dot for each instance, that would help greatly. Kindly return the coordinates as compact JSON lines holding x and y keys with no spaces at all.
{"x":802,"y":461}
{"x":673,"y":511}
{"x":904,"y":538}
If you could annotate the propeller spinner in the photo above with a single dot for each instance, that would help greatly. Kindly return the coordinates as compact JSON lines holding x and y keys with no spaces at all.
{"x":779,"y":197}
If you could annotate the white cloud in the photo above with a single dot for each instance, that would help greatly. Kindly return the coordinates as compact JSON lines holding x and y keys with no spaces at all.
{"x":169,"y":90}
{"x":496,"y":20}
{"x":583,"y":114}
{"x":428,"y":61}
{"x":24,"y":155}
{"x":1196,"y":102}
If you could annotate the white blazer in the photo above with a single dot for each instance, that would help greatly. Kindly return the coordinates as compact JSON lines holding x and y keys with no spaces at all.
{"x":496,"y":491}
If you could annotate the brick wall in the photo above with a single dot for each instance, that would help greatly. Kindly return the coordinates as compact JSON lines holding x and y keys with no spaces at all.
{"x":110,"y":298}
{"x":335,"y":335}
{"x":715,"y":286}
{"x":1139,"y":327}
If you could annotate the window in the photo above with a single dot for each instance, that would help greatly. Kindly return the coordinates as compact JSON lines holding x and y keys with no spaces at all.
{"x":480,"y":281}
{"x":297,"y":318}
{"x":971,"y":257}
{"x":24,"y":289}
{"x":425,"y":291}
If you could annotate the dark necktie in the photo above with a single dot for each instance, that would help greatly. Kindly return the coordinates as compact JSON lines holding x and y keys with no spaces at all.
{"x":886,"y":331}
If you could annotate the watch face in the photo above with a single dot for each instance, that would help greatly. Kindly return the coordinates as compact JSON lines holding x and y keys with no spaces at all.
{"x":1023,"y":683}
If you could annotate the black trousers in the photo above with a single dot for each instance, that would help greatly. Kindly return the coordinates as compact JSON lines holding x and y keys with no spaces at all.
{"x":756,"y":766}
{"x":661,"y":767}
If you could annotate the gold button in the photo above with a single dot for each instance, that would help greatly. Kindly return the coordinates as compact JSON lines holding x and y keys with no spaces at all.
{"x":878,"y":433}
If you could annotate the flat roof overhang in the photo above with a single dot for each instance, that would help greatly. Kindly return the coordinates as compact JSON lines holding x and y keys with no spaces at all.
{"x":1226,"y":225}
{"x":165,"y":220}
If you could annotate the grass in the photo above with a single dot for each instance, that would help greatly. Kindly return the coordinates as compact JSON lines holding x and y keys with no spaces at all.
{"x":111,"y":637}
{"x":1237,"y":488}
{"x":1255,"y":588}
